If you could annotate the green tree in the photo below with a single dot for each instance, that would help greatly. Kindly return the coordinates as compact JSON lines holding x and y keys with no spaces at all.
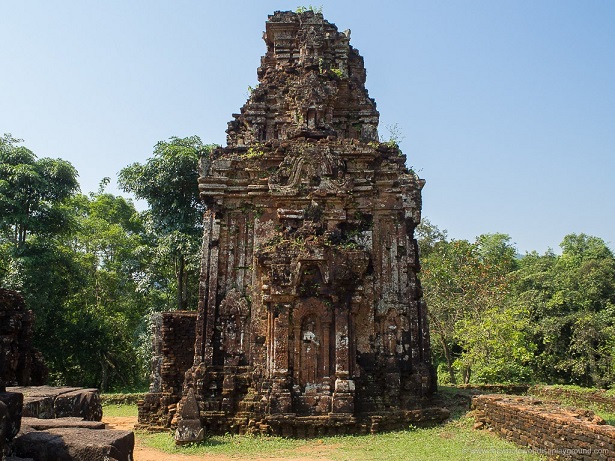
{"x":34,"y":222}
{"x":32,"y":192}
{"x":109,"y":308}
{"x":442,"y":277}
{"x":497,"y":252}
{"x":571,"y":304}
{"x":80,"y":262}
{"x":475,"y":330}
{"x":168,"y":182}
{"x":428,"y":236}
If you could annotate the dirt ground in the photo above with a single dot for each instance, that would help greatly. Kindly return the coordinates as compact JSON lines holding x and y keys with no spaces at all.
{"x":143,"y":453}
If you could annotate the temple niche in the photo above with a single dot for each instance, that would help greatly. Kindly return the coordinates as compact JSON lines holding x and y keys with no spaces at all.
{"x":311,"y":319}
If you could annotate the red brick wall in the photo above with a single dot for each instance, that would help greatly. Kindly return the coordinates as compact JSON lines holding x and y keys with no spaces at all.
{"x":546,"y":428}
{"x":173,"y":353}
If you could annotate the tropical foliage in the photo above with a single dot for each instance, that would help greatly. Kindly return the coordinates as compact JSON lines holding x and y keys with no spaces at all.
{"x":93,"y":268}
{"x":500,"y":317}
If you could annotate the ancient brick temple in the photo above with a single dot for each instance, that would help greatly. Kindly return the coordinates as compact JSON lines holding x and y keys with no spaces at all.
{"x":311,"y":319}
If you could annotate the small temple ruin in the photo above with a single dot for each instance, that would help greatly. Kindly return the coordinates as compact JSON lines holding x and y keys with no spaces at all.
{"x":311,"y":319}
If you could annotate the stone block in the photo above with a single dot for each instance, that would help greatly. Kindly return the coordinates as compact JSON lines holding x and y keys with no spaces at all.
{"x":38,"y":401}
{"x":39,"y":424}
{"x":48,"y":402}
{"x":13,"y":402}
{"x":189,"y":428}
{"x":84,"y":403}
{"x":75,"y":444}
{"x":189,"y":431}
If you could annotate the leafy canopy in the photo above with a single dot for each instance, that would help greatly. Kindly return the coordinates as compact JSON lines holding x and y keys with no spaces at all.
{"x":32,"y":192}
{"x":168,"y":181}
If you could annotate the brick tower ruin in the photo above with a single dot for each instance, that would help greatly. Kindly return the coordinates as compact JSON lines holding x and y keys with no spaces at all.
{"x":311,"y":318}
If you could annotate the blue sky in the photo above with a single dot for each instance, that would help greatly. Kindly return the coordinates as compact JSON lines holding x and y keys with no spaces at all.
{"x":507,"y":108}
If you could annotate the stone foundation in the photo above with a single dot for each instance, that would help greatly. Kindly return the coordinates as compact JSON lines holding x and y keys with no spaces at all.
{"x":545,"y":428}
{"x":333,"y":424}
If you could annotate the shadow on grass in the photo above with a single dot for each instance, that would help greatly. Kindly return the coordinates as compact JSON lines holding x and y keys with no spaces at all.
{"x":456,"y":400}
{"x":236,"y":445}
{"x":208,"y":442}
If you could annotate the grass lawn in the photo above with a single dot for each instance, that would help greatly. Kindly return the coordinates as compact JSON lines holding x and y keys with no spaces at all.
{"x":119,"y":410}
{"x":455,"y":440}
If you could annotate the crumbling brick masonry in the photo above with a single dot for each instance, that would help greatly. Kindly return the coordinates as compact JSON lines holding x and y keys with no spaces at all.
{"x":20,"y":363}
{"x":546,"y":428}
{"x":173,"y":353}
{"x":311,"y":319}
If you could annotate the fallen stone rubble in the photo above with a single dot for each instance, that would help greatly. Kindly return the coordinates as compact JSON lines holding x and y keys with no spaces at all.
{"x":58,"y":424}
{"x":48,"y":402}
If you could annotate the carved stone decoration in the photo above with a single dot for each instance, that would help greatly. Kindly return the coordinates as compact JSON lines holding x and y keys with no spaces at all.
{"x":310,"y":318}
{"x":189,"y":429}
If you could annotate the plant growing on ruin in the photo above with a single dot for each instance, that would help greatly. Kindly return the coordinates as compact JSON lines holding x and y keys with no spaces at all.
{"x":395,"y":136}
{"x":338,"y":73}
{"x":299,"y":120}
{"x":314,"y":9}
{"x":313,"y":212}
{"x":254,"y":152}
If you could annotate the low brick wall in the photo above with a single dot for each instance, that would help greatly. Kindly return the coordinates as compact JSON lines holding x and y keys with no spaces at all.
{"x":122,"y":399}
{"x":546,"y":428}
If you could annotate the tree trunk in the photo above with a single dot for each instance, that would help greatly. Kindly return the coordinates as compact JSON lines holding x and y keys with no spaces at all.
{"x":185,"y":290}
{"x":104,"y":380}
{"x":447,"y":351}
{"x":467,"y":372}
{"x":449,"y":361}
{"x":180,"y":282}
{"x":21,"y":238}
